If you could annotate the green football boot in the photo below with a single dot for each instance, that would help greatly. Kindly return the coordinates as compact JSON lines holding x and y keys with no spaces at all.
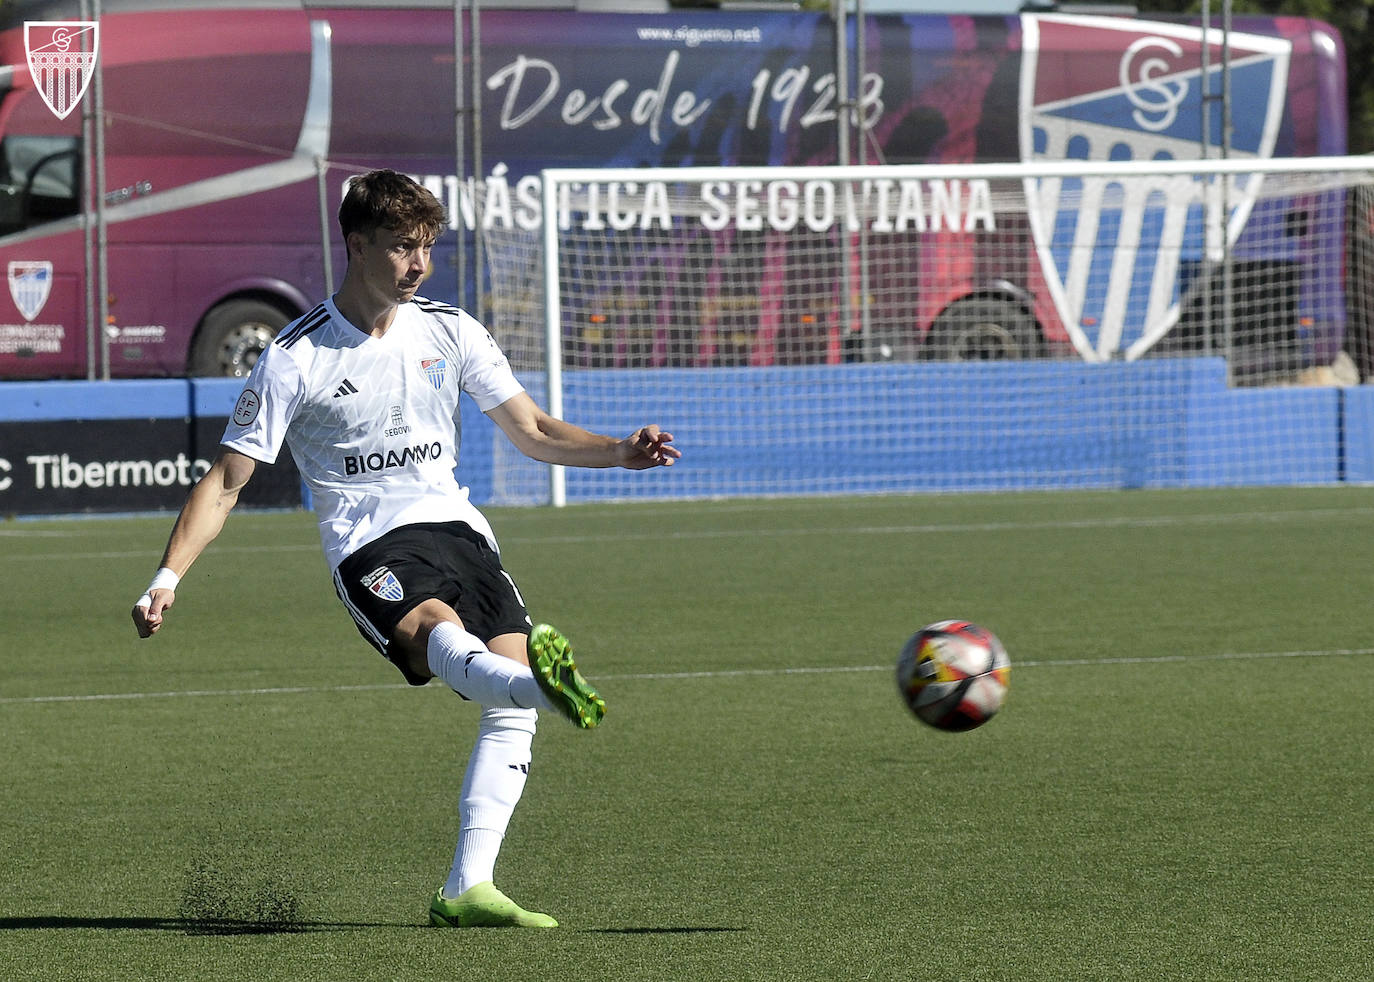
{"x":552,"y":662}
{"x":483,"y":906}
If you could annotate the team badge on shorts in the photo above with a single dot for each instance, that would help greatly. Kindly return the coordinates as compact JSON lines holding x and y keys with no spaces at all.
{"x":434,"y":371}
{"x":383,"y":583}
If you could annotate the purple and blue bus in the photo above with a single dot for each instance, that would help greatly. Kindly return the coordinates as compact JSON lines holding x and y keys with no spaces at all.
{"x":228,"y":133}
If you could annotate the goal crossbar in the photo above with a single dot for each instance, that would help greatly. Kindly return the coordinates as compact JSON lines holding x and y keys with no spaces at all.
{"x":1083,"y":200}
{"x":554,"y":176}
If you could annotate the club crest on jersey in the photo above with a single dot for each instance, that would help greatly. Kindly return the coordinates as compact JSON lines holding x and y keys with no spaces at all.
{"x":434,"y":369}
{"x":1114,"y":252}
{"x":382,"y":583}
{"x":398,"y":426}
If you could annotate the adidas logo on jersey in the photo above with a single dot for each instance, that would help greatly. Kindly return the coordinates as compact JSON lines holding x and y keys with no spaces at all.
{"x":346,"y":389}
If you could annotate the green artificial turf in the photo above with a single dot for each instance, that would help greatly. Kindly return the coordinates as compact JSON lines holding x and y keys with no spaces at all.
{"x":1177,"y":788}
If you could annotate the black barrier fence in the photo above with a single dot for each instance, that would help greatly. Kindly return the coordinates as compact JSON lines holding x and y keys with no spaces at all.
{"x":117,"y":465}
{"x":94,"y":462}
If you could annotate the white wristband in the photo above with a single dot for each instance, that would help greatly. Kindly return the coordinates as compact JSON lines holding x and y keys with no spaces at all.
{"x":163,"y":579}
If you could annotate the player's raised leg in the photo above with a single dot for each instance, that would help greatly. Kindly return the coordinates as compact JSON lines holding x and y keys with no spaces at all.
{"x":474,"y":671}
{"x":552,"y":662}
{"x":550,"y":682}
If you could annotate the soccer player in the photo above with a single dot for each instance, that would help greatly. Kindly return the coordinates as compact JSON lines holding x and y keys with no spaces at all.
{"x":364,"y":390}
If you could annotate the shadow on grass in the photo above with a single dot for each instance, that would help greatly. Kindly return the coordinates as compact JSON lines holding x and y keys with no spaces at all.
{"x":661,"y":930}
{"x":190,"y":925}
{"x":228,"y":926}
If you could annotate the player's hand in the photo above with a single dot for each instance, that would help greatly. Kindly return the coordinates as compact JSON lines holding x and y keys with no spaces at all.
{"x":148,"y":617}
{"x":647,"y":447}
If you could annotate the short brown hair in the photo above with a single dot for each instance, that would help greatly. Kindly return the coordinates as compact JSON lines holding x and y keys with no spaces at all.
{"x":386,"y":199}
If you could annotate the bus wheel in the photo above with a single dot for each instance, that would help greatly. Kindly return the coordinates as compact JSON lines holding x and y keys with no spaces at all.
{"x":233,"y":335}
{"x":984,"y":329}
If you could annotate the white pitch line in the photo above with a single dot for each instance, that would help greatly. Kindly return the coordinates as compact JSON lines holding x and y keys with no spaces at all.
{"x":671,"y":676}
{"x":1048,"y":524}
{"x":1134,"y":660}
{"x":155,"y":551}
{"x":200,"y":693}
{"x":1101,"y":522}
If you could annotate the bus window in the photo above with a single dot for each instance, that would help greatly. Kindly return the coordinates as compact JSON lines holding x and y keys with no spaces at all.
{"x":38,"y":180}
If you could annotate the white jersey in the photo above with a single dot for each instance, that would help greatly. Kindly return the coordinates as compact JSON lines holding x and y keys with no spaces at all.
{"x":373,"y":423}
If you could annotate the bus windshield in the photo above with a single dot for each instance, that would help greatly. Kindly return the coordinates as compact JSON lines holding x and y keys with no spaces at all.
{"x":39,"y":180}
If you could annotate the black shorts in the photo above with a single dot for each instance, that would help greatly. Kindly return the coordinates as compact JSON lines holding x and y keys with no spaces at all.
{"x":387,"y":578}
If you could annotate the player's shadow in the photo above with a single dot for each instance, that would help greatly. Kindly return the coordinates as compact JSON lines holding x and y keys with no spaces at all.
{"x":662,"y":930}
{"x":225,"y":925}
{"x":190,"y":925}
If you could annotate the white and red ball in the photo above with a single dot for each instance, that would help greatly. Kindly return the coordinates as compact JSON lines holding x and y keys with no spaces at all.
{"x":953,"y":675}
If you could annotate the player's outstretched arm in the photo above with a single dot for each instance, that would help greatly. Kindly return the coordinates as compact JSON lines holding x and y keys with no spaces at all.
{"x":543,"y":437}
{"x":646,"y":447}
{"x":201,"y":519}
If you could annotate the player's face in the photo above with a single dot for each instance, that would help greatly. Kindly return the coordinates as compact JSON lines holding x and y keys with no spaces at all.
{"x":396,"y":263}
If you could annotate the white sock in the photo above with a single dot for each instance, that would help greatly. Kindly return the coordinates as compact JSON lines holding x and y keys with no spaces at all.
{"x":492,"y":787}
{"x":477,"y":673}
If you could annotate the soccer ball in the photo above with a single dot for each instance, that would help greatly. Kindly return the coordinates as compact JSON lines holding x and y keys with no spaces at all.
{"x":953,"y":675}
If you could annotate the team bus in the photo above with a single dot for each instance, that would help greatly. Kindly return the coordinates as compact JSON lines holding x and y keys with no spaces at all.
{"x":226,"y":135}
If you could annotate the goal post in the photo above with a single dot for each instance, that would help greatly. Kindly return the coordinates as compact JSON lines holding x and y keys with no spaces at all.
{"x":992,"y":296}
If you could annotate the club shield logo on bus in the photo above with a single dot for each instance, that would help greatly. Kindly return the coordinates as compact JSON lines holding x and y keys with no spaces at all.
{"x":30,"y":285}
{"x":1114,"y":251}
{"x":61,"y":57}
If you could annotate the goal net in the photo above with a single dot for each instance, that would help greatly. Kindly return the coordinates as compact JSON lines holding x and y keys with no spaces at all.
{"x":891,"y":329}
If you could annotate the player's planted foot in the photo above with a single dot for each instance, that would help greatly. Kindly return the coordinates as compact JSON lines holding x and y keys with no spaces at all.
{"x":483,"y":906}
{"x":552,"y":662}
